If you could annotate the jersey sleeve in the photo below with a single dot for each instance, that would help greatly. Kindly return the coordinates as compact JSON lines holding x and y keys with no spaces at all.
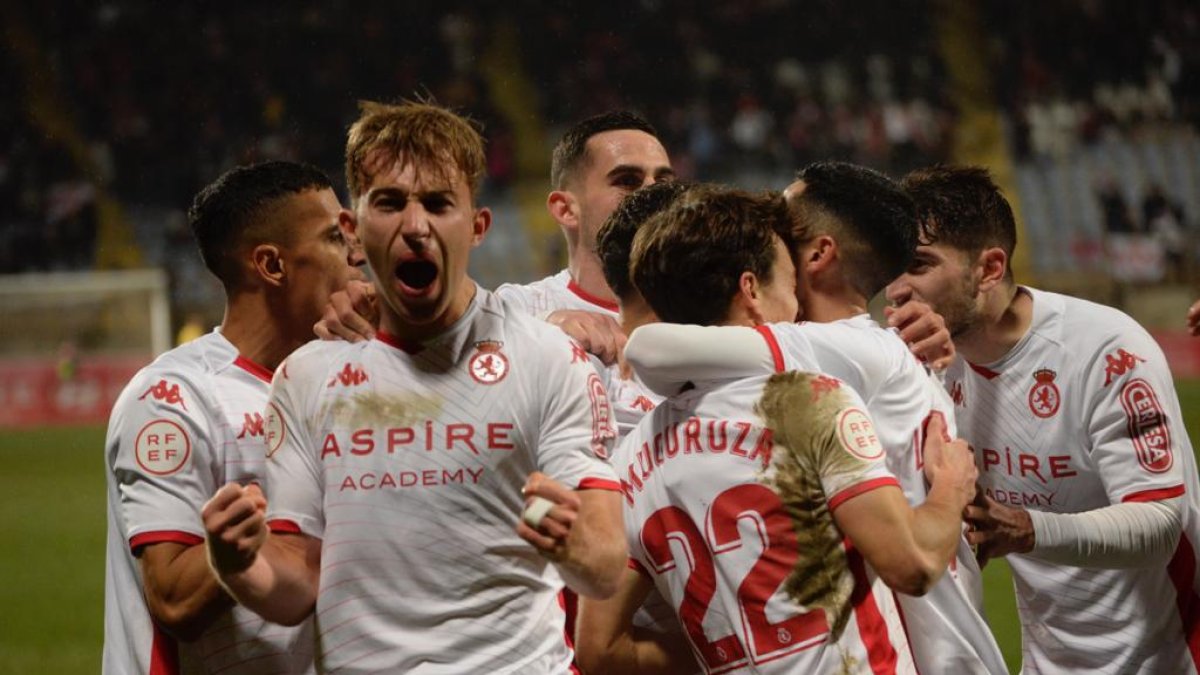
{"x":826,"y":437}
{"x":577,"y":432}
{"x":295,"y":488}
{"x":164,"y":450}
{"x":1134,"y":421}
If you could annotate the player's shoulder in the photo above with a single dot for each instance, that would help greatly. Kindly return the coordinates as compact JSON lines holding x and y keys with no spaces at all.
{"x":1085,"y":327}
{"x":525,"y":332}
{"x":535,"y":296}
{"x":187,"y":371}
{"x":315,"y":359}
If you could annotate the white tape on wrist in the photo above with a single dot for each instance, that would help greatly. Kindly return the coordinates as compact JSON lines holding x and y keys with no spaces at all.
{"x":536,"y":511}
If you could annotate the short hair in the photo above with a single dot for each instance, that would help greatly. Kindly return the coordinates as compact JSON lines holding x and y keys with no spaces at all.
{"x":688,"y":260}
{"x":870,"y":215}
{"x":962,"y":207}
{"x":615,"y":238}
{"x":230,"y":212}
{"x":424,"y":135}
{"x":571,"y":150}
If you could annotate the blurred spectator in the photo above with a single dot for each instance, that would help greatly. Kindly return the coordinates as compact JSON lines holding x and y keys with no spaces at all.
{"x":1163,"y":219}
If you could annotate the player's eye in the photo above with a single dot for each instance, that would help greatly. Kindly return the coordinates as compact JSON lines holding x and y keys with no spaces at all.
{"x":436,"y":204}
{"x":628,"y":181}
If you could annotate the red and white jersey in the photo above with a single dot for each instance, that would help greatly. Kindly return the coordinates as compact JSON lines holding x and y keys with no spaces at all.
{"x":183,"y":427}
{"x":946,"y":626}
{"x":631,"y":399}
{"x":1081,"y":414}
{"x":407,"y":462}
{"x":729,"y":493}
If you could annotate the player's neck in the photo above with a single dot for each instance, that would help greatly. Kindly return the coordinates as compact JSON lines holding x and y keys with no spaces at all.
{"x":825,"y":307}
{"x":409,"y":331}
{"x":585,"y":271}
{"x":1005,"y":317}
{"x":259,"y":332}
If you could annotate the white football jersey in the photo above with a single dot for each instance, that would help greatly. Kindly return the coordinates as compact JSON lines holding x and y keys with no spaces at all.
{"x":729,"y":495}
{"x":946,"y":626}
{"x":1080,"y":414}
{"x":631,"y":399}
{"x":407,"y":462}
{"x":184,"y":426}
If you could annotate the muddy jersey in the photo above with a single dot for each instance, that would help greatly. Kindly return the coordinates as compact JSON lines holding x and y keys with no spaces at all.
{"x":631,"y":399}
{"x":946,"y":626}
{"x":729,"y":493}
{"x":1080,"y":414}
{"x":183,"y":427}
{"x":407,"y":462}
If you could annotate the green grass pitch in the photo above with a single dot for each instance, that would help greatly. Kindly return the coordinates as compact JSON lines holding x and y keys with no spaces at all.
{"x":52,"y":524}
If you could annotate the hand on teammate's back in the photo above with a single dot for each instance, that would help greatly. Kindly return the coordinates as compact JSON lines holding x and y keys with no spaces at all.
{"x":235,"y":527}
{"x":351,"y":315}
{"x":924,"y":331}
{"x":597,"y":333}
{"x":949,"y":461}
{"x":1193,"y":318}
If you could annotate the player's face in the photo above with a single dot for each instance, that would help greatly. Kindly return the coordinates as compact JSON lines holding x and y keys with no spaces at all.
{"x":616,"y":164}
{"x":418,"y":231}
{"x":947,"y":280}
{"x":779,"y":302}
{"x":320,"y":258}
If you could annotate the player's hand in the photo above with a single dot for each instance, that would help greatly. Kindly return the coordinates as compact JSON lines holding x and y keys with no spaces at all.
{"x":949,"y":462}
{"x":547,"y":530}
{"x":1193,"y":318}
{"x":997,"y":530}
{"x":924,"y":331}
{"x":351,"y":315}
{"x":597,"y":333}
{"x":235,"y":527}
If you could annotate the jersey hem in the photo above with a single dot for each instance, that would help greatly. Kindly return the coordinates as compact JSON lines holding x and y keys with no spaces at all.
{"x":599,"y":484}
{"x":1155,"y":494}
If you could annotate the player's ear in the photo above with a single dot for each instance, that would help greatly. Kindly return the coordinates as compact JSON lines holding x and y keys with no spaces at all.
{"x":746,"y":302}
{"x":564,"y":208}
{"x":993,"y":265}
{"x":481,"y":224}
{"x":268,"y":264}
{"x":819,"y":253}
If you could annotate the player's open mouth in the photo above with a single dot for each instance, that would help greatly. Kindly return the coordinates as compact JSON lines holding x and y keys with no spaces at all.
{"x":416,"y":274}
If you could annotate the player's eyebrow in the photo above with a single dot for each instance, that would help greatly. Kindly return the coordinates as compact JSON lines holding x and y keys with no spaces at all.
{"x":624,"y":169}
{"x":664,"y":173}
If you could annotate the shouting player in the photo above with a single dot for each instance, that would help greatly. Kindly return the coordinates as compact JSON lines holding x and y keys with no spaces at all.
{"x":791,"y":460}
{"x":1088,"y":480}
{"x":193,"y":420}
{"x":855,"y":230}
{"x":405,"y":460}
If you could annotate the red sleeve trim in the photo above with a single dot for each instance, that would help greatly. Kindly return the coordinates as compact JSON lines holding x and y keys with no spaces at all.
{"x":859,"y":488}
{"x":772,"y":344}
{"x":599,"y":484}
{"x":284,"y":526}
{"x":261,"y":372}
{"x":1155,"y":494}
{"x":173,"y":536}
{"x":633,"y":564}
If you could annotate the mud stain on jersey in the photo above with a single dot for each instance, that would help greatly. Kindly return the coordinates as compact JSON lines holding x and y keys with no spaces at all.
{"x":802,"y":411}
{"x":371,"y":409}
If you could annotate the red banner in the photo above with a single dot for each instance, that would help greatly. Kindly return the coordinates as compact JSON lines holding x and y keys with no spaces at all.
{"x":45,"y":392}
{"x":1182,"y":352}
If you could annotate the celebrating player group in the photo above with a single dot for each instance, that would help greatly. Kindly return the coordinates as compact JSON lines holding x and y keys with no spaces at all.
{"x":690,"y":451}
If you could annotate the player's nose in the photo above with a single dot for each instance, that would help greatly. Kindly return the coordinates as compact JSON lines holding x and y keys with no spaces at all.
{"x":414,"y":222}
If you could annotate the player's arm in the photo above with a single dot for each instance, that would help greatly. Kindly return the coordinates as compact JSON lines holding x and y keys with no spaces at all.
{"x":606,"y":641}
{"x":181,"y":592}
{"x":274,"y":575}
{"x":1193,"y":318}
{"x":920,"y":541}
{"x":666,"y":356}
{"x":580,"y":531}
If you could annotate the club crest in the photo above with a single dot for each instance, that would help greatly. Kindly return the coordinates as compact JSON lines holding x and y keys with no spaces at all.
{"x":488,"y":365}
{"x":1043,"y":395}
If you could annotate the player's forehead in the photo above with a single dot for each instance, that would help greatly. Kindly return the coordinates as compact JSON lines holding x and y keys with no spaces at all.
{"x":313,"y":207}
{"x":625,"y":147}
{"x":386,"y":171}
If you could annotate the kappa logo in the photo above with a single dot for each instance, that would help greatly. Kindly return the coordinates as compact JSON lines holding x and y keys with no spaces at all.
{"x":1119,"y":363}
{"x":166,"y":393}
{"x":351,"y":375}
{"x":1044,"y":396}
{"x":642,"y":403}
{"x":823,"y":384}
{"x":252,"y":426}
{"x":956,"y":394}
{"x":577,"y":353}
{"x":488,"y":365}
{"x":1147,"y":425}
